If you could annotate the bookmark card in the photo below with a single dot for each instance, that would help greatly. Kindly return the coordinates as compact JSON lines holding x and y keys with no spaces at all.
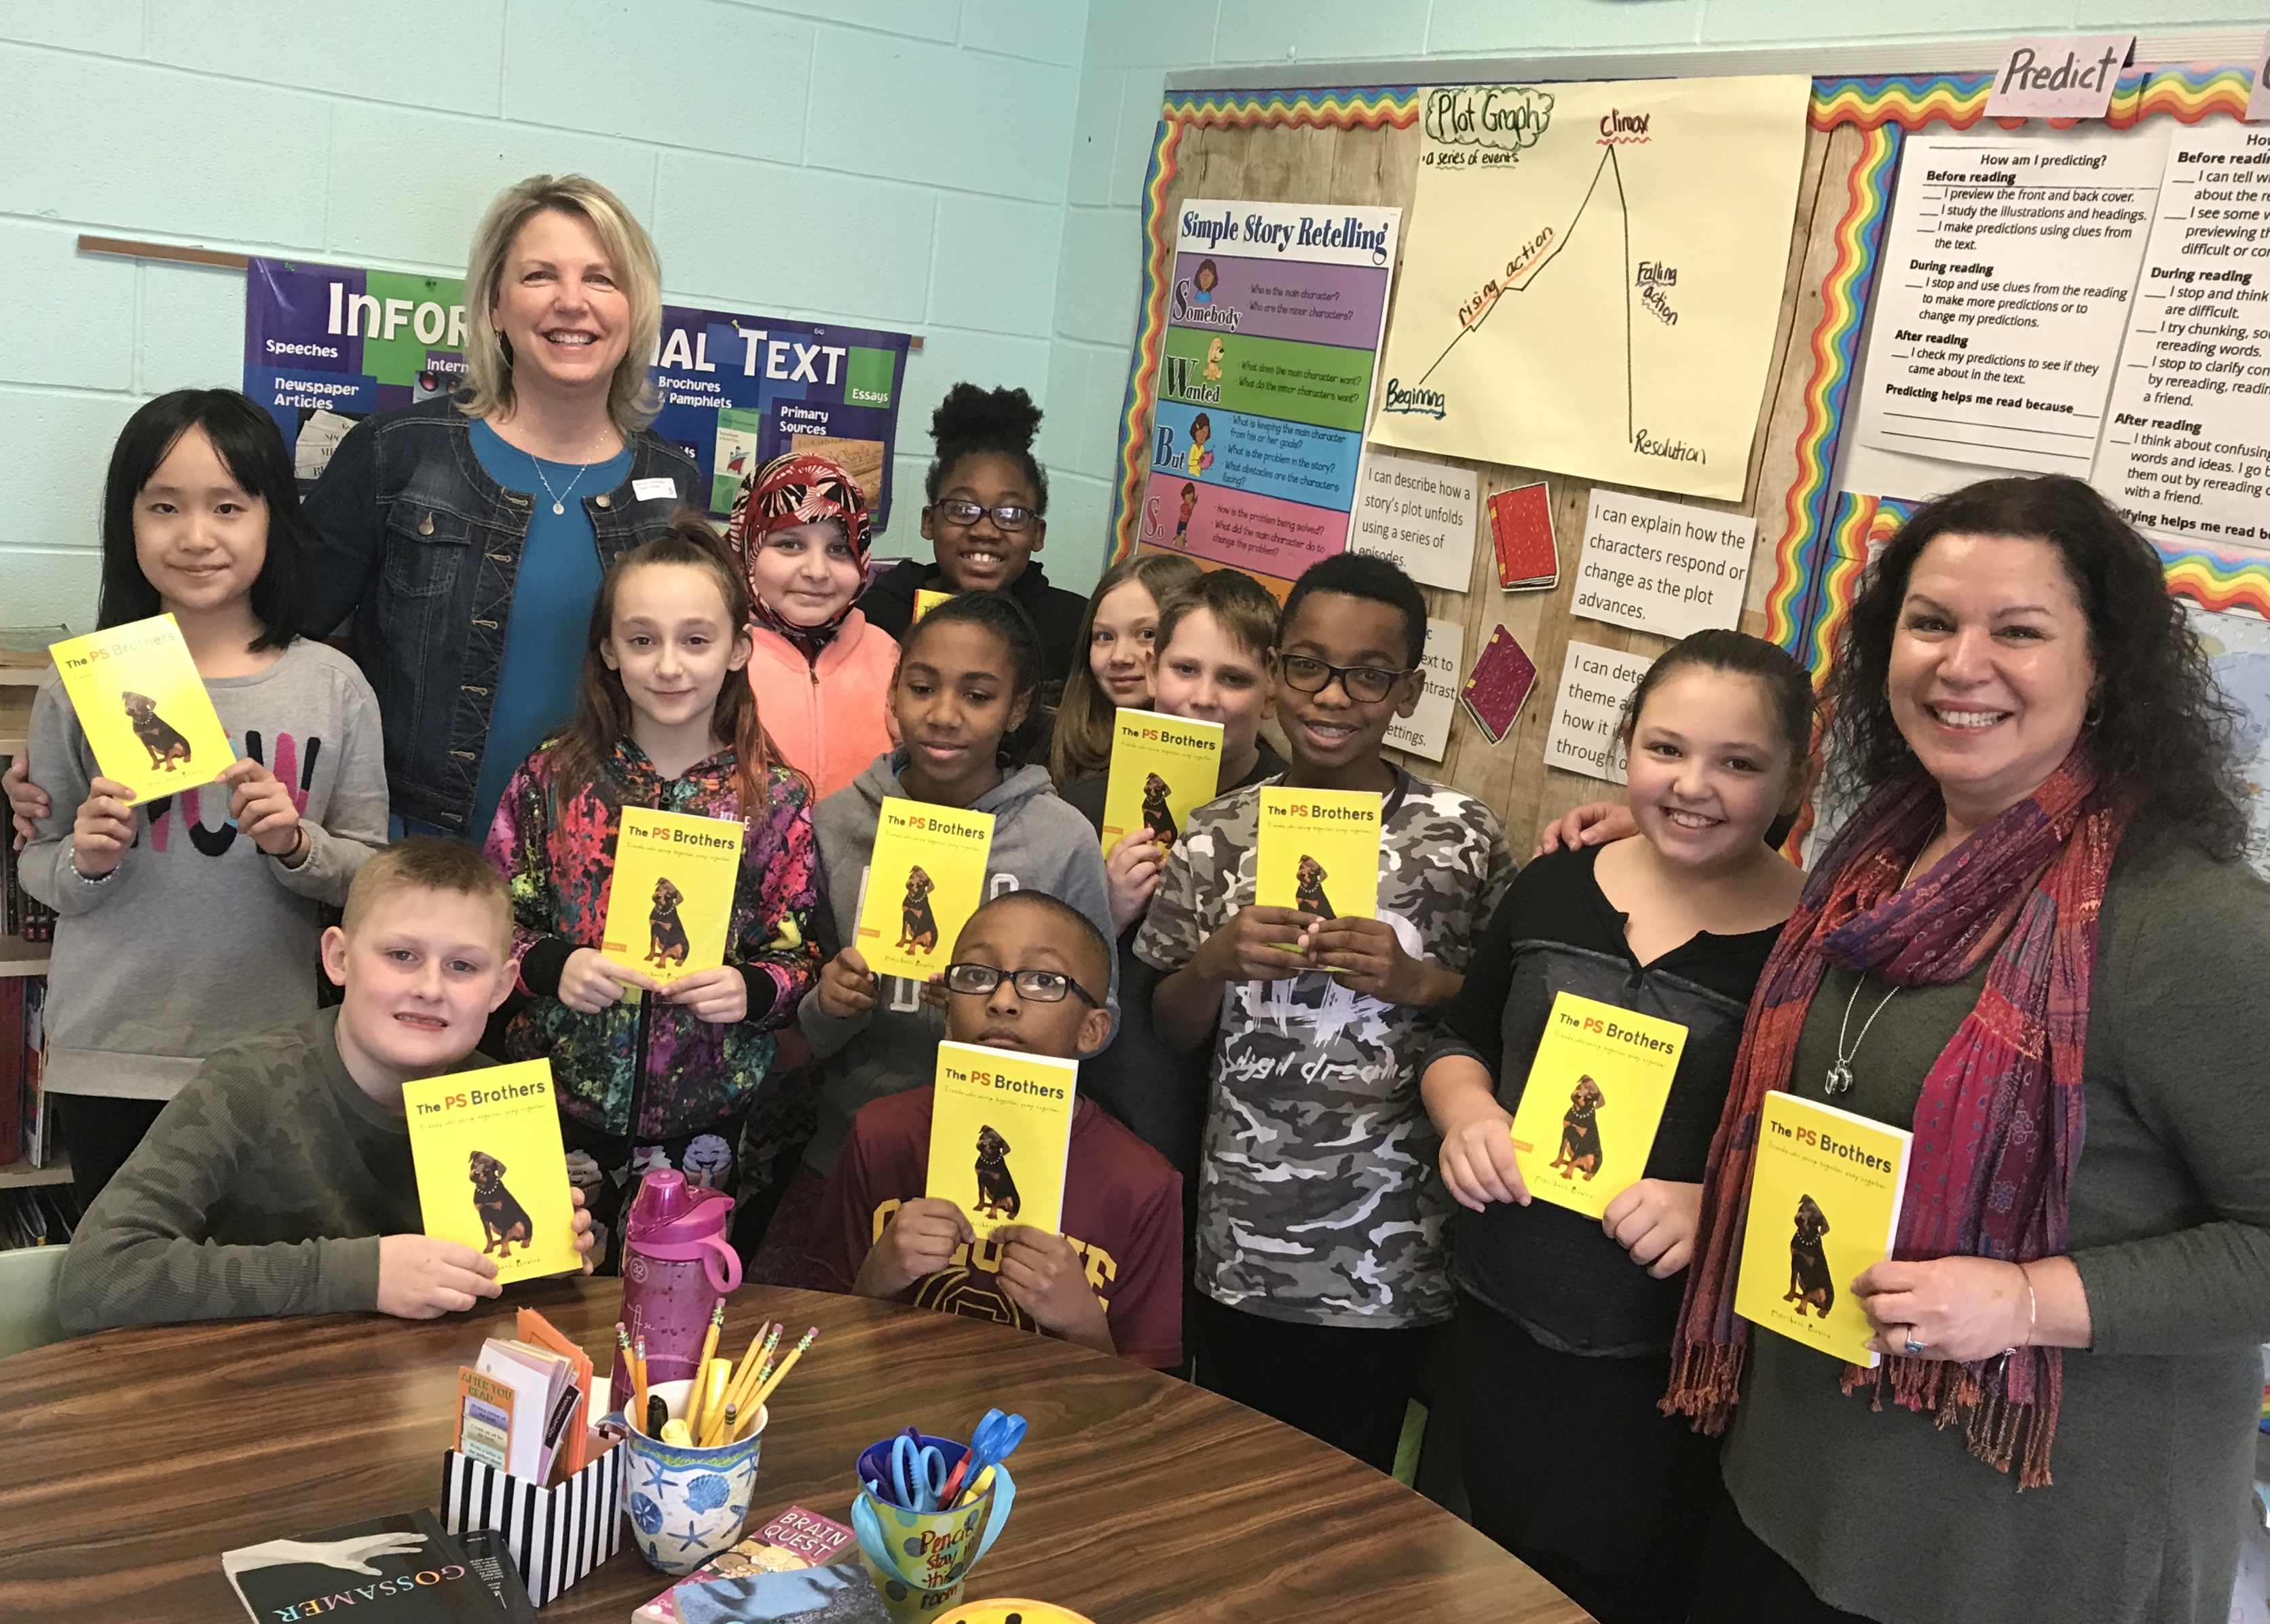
{"x":492,"y":1171}
{"x":1163,"y":768}
{"x":1001,"y":1131}
{"x":1521,"y":524}
{"x":484,"y":1418}
{"x":1318,"y":851}
{"x":926,"y":878}
{"x":1595,"y":1096}
{"x":671,"y":898}
{"x":1500,"y":681}
{"x":144,"y":710}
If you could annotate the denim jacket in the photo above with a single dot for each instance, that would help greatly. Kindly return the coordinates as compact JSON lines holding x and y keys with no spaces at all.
{"x":420,"y":545}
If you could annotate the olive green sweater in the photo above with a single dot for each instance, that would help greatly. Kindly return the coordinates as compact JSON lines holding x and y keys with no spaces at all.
{"x":262,"y":1189}
{"x":1888,"y":1517}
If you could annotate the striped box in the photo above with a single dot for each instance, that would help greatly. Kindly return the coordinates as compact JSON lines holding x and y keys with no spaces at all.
{"x":556,"y":1535}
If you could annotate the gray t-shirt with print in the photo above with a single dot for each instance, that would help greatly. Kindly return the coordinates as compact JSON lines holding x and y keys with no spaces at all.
{"x":1318,"y":1198}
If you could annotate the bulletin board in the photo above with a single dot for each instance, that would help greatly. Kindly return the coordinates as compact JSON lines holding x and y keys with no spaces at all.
{"x":1360,"y":146}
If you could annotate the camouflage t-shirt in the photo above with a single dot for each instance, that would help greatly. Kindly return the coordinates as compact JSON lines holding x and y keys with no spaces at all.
{"x":1319,"y":1197}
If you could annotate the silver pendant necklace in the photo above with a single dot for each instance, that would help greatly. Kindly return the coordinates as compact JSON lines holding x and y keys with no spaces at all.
{"x":1839,"y":1079}
{"x":559,"y":498}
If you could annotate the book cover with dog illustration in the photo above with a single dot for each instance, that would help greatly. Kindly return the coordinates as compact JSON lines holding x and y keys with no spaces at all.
{"x":1318,"y":850}
{"x":1000,"y":1130}
{"x":1163,"y":768}
{"x":492,"y":1170}
{"x":926,"y":878}
{"x":143,"y":707}
{"x":1592,"y":1103}
{"x":1824,"y":1203}
{"x":670,"y":902}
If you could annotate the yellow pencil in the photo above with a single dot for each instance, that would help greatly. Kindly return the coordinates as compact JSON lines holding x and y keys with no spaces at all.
{"x":702,"y":1368}
{"x":778,"y":1376}
{"x":713,"y":1400}
{"x":754,"y":1368}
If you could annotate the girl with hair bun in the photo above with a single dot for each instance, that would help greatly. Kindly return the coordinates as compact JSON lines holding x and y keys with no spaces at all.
{"x":985,"y":516}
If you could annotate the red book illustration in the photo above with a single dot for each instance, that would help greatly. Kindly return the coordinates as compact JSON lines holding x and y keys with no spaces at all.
{"x":1521,"y":522}
{"x":1499,"y":682}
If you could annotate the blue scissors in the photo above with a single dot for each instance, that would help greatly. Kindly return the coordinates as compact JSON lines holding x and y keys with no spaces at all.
{"x":996,"y":1435}
{"x":917,"y":1472}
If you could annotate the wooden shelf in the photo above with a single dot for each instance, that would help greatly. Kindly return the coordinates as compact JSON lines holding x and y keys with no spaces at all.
{"x":18,"y":957}
{"x":23,"y":1175}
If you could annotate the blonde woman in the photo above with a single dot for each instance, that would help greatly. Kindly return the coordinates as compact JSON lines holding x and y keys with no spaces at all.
{"x":466,"y":536}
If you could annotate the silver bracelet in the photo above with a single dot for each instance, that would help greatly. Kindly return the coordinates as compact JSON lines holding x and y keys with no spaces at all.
{"x":70,"y":856}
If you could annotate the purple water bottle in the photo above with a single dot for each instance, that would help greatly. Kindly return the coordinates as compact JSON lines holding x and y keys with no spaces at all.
{"x":677,"y":1263}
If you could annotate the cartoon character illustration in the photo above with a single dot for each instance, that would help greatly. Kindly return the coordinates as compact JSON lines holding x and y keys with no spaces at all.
{"x":1190,"y":507}
{"x":1197,"y":459}
{"x":667,"y":944}
{"x":707,"y":1162}
{"x":1809,"y":1278}
{"x":1204,"y":281}
{"x":917,"y":925}
{"x":1157,"y":816}
{"x":1308,"y":888}
{"x":503,"y":1219}
{"x":997,"y":1190}
{"x":168,"y":746}
{"x":1580,"y":1132}
{"x":1212,"y":371}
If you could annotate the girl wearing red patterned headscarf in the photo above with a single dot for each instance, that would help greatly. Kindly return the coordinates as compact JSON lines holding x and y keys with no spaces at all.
{"x":821,"y":672}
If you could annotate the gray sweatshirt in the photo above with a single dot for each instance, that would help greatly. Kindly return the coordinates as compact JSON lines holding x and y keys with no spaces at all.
{"x":1039,"y":844}
{"x":198,"y":938}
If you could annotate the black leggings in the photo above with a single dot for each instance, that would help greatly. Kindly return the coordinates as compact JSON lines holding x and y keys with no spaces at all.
{"x":1347,"y":1385}
{"x":100,"y":1133}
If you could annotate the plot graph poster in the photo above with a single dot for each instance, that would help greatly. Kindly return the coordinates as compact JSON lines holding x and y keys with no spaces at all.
{"x":1273,"y":324}
{"x":325,"y":346}
{"x":1593,"y":277}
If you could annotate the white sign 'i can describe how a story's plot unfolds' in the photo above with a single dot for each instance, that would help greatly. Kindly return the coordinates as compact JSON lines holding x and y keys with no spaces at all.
{"x":2006,"y":283}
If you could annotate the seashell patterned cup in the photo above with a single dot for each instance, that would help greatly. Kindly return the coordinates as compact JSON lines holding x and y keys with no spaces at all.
{"x":687,"y":1504}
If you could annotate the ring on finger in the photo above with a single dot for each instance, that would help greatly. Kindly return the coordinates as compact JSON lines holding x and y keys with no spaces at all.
{"x":1914,"y":1347}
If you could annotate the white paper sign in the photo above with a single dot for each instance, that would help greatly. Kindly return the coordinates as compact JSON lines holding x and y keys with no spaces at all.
{"x":1419,"y":513}
{"x":1595,"y":682}
{"x":2257,"y":98}
{"x":2186,"y":452}
{"x":2058,"y":75}
{"x":2005,"y":287}
{"x":1427,"y":730}
{"x":1662,"y":566}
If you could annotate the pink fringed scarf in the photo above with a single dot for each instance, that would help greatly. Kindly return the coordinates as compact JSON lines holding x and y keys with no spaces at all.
{"x":1998,"y":1130}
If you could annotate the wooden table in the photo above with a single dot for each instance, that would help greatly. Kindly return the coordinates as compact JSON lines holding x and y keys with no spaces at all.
{"x":130,"y":1461}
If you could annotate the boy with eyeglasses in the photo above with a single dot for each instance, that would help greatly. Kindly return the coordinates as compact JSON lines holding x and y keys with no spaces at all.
{"x":1030,"y":973}
{"x":1322,"y":1261}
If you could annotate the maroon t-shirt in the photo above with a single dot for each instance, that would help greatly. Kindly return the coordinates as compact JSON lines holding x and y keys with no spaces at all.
{"x":1122,"y":1213}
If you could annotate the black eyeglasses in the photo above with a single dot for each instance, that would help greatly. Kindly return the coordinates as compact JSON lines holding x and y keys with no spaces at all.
{"x":1008,"y":515}
{"x":1036,"y":986}
{"x":1365,"y":684}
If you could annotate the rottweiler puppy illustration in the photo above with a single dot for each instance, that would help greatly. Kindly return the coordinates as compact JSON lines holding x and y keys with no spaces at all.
{"x":168,"y":746}
{"x":1308,"y":888}
{"x":1157,"y":816}
{"x":997,"y":1190}
{"x":666,"y":940}
{"x":917,"y":925}
{"x":503,"y":1219}
{"x":1580,"y":1132}
{"x":1809,"y":1278}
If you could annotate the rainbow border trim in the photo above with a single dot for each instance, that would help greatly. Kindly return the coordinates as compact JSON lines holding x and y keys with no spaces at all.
{"x":2226,"y":582}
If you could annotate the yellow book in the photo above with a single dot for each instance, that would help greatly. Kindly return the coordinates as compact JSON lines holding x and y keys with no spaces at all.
{"x":144,"y":708}
{"x":926,"y":600}
{"x":1162,"y":769}
{"x":1000,"y":1130}
{"x":671,"y":898}
{"x":1825,"y":1198}
{"x":1593,"y":1100}
{"x":1318,"y":850}
{"x":492,"y":1171}
{"x":926,"y":878}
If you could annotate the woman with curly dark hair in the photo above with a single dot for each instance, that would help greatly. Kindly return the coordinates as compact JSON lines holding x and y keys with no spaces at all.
{"x":2029,"y":945}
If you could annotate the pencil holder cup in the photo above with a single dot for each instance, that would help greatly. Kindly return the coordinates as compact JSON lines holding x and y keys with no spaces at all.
{"x":920,"y":1559}
{"x":687,"y":1503}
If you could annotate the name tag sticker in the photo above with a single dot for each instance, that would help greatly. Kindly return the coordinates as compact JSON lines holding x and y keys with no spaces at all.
{"x":655,"y":490}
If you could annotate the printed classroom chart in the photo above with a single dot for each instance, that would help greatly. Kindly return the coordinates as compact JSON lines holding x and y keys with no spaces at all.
{"x":1273,"y":336}
{"x":1594,"y":276}
{"x":2006,"y":280}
